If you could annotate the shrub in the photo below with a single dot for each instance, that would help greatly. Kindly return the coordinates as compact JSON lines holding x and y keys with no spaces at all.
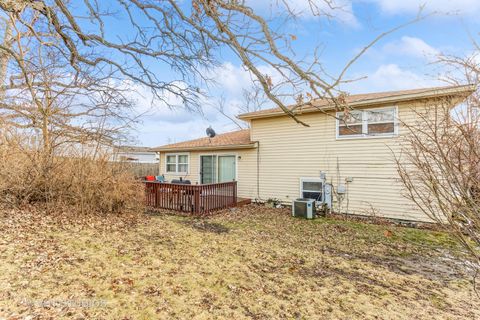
{"x":86,"y":181}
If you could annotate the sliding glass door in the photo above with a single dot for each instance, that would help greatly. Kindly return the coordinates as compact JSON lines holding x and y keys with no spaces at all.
{"x":226,"y":168}
{"x":217,"y":168}
{"x":208,"y":169}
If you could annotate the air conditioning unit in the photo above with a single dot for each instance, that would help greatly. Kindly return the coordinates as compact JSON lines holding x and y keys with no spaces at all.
{"x":304,"y":208}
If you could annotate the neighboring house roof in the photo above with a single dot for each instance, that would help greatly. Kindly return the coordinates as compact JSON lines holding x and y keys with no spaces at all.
{"x":133,"y":149}
{"x":368,"y":99}
{"x":236,"y":139}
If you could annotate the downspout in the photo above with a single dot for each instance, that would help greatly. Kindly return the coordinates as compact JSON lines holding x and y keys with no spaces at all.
{"x":258,"y":170}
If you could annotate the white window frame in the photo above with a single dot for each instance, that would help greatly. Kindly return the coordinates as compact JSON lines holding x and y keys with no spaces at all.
{"x":177,"y":163}
{"x":364,"y":134}
{"x":311,"y":179}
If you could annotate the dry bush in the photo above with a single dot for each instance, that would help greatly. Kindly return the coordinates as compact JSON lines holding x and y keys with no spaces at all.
{"x":90,"y":183}
{"x":440,"y":170}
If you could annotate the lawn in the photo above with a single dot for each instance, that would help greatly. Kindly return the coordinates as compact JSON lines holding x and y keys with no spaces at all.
{"x":249,"y":263}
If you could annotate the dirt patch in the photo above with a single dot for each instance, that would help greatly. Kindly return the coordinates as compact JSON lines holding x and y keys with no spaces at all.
{"x":204,"y":225}
{"x":441,"y":267}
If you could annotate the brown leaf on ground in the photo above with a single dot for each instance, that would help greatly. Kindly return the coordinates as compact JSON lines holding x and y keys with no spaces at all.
{"x":267,"y":265}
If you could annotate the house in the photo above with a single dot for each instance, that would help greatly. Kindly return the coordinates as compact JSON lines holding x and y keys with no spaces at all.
{"x":278,"y":158}
{"x":141,"y":161}
{"x":135,"y":154}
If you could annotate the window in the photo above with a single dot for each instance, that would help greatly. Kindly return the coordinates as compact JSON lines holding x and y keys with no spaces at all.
{"x":367,"y":123}
{"x":351,"y":124}
{"x":311,"y":188}
{"x":381,"y":121}
{"x":177,"y":163}
{"x":182,"y":163}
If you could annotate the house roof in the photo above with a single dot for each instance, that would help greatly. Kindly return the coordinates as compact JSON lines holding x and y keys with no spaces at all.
{"x":239,"y":139}
{"x":133,"y":149}
{"x":357,"y":100}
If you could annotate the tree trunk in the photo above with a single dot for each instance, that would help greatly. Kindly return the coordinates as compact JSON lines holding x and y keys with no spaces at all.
{"x":4,"y":57}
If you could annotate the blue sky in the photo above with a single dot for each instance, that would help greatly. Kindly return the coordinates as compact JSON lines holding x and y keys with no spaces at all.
{"x":402,"y":60}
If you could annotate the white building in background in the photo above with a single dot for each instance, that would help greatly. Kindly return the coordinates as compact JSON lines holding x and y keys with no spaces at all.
{"x":135,"y":154}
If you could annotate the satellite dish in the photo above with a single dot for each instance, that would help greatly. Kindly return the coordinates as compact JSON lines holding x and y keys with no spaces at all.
{"x":210,"y":132}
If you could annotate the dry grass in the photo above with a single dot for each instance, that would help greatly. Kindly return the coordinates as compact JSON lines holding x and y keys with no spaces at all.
{"x":86,"y":181}
{"x":252,"y":263}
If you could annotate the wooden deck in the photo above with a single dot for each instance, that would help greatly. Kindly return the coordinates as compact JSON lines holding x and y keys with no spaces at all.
{"x":195,"y":199}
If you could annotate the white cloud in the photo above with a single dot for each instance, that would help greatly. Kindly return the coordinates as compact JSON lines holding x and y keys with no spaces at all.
{"x":338,"y":10}
{"x":390,"y":77}
{"x":231,"y":78}
{"x":461,"y":7}
{"x":411,"y":47}
{"x":342,"y":10}
{"x":162,"y":125}
{"x":153,"y":109}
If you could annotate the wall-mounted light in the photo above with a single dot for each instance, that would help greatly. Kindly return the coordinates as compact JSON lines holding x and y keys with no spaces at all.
{"x":239,"y":157}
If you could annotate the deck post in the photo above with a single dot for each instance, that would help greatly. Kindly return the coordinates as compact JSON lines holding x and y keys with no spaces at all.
{"x":196,"y":200}
{"x":234,"y":193}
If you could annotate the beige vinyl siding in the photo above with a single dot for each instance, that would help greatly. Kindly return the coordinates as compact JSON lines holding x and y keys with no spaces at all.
{"x":246,"y":169}
{"x":289,"y":151}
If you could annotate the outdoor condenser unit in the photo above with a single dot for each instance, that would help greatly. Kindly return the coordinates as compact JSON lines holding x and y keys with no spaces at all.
{"x":304,"y":208}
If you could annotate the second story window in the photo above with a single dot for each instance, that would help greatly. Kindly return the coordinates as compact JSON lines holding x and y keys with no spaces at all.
{"x":381,"y":121}
{"x":351,"y":124}
{"x":367,"y":123}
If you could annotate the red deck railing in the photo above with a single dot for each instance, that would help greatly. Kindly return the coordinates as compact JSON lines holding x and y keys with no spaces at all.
{"x":196,"y":199}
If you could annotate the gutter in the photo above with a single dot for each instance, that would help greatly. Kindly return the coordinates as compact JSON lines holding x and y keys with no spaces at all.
{"x":224,"y":147}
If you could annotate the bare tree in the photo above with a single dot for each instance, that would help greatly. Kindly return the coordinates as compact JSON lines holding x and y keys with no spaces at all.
{"x":440,"y":168}
{"x":56,"y":121}
{"x":185,"y":36}
{"x":46,"y":97}
{"x":440,"y":161}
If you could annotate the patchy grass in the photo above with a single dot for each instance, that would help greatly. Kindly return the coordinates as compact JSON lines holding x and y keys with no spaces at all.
{"x":250,"y":263}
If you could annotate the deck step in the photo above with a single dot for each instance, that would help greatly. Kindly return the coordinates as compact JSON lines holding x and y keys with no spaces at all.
{"x":243,"y":201}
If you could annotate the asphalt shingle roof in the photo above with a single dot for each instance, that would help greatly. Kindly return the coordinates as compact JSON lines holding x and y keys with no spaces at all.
{"x":364,"y":97}
{"x":234,"y":138}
